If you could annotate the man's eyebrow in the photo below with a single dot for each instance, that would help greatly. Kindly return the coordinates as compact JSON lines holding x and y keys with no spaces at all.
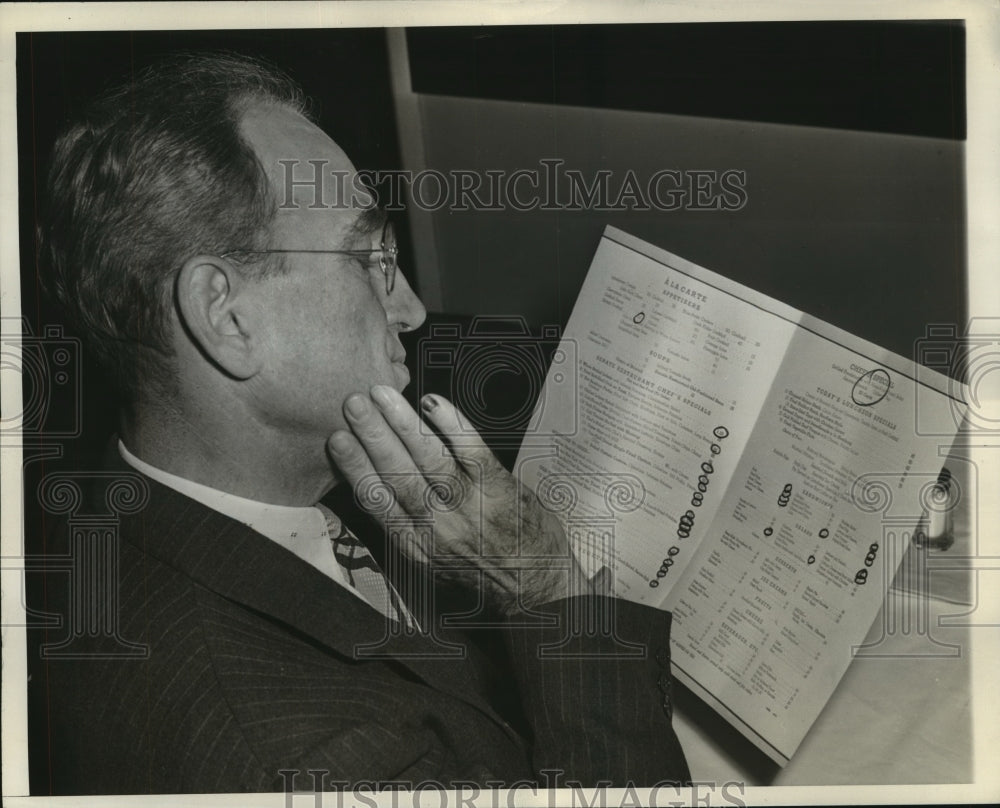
{"x":368,"y":222}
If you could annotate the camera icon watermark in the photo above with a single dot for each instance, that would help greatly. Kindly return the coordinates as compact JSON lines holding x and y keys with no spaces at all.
{"x":48,"y":368}
{"x":971,"y":363}
{"x":508,"y":382}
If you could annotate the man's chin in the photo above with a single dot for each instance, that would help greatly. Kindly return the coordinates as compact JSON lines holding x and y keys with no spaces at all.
{"x":401,"y":376}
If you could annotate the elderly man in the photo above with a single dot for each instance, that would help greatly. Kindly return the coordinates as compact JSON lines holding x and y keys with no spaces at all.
{"x":253,"y":331}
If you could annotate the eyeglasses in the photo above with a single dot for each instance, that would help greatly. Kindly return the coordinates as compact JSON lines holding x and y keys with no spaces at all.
{"x":388,"y":249}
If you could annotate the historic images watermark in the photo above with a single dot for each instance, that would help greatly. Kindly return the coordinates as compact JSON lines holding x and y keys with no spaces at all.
{"x":548,"y":186}
{"x":315,"y":787}
{"x":460,"y":362}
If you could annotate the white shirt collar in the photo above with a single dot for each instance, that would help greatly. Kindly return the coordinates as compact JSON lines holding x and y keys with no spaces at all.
{"x":301,"y":530}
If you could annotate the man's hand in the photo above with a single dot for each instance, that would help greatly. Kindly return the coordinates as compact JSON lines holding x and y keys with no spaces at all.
{"x":482,"y":517}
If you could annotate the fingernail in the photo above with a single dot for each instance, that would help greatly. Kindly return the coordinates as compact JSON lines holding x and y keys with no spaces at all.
{"x":383,"y":395}
{"x":428,"y":403}
{"x":357,"y":406}
{"x":340,"y":442}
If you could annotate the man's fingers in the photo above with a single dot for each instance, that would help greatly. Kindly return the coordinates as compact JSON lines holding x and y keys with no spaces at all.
{"x":380,"y":442}
{"x":381,"y":452}
{"x":463,"y":439}
{"x":428,"y":452}
{"x":371,"y":491}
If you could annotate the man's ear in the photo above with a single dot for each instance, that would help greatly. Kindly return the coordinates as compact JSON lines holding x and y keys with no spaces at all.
{"x":211,"y":297}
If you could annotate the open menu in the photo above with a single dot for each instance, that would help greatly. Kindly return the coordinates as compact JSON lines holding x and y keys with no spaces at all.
{"x":732,"y":459}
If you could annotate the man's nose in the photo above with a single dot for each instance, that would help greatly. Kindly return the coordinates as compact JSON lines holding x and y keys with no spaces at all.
{"x":403,"y":306}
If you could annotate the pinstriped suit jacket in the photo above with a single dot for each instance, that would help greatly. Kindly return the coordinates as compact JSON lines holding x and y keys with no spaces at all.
{"x":253,"y":670}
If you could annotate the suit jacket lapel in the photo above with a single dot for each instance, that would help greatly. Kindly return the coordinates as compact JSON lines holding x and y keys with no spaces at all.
{"x":244,"y":566}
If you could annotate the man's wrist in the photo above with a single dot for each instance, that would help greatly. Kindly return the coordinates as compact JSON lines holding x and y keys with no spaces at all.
{"x":575,"y":584}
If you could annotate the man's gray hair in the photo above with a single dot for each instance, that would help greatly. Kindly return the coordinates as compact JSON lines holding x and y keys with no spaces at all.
{"x":153,"y":172}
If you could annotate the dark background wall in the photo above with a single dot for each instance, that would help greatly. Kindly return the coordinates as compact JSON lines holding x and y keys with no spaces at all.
{"x":851,"y":135}
{"x":904,"y":77}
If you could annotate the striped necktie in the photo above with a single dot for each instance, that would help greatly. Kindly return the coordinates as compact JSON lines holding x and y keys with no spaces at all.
{"x":362,"y":571}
